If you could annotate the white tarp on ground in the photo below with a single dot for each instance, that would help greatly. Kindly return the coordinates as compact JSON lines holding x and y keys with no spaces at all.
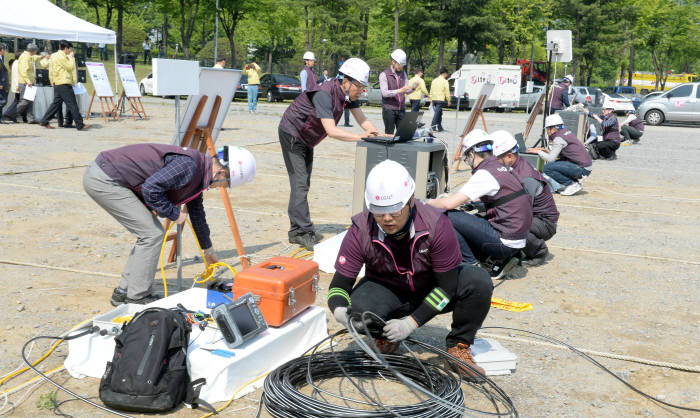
{"x":42,"y":19}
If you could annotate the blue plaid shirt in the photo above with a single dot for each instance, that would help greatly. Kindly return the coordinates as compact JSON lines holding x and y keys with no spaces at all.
{"x":176,"y":173}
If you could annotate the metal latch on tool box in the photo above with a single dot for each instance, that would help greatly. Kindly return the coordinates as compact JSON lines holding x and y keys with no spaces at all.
{"x":292,"y":299}
{"x":314,"y":284}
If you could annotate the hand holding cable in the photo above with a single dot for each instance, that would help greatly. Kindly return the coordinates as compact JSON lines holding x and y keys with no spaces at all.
{"x":341,"y":315}
{"x":399,"y":329}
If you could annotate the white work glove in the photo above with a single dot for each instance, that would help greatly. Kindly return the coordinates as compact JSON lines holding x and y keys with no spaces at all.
{"x":341,"y":315}
{"x":399,"y":329}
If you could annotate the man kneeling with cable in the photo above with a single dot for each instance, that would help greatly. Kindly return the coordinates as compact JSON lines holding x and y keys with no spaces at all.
{"x":412,"y":261}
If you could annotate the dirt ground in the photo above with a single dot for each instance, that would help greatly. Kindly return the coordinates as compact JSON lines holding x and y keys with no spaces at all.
{"x":624,"y":277}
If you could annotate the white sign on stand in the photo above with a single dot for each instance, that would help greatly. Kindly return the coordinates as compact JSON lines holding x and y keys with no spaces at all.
{"x":175,"y":77}
{"x":99,"y":78}
{"x":128,"y":79}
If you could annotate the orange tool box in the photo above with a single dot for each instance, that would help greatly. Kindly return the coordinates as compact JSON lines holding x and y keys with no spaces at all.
{"x":286,"y":287}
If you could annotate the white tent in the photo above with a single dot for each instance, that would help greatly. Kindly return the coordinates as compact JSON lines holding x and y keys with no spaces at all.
{"x":42,"y":19}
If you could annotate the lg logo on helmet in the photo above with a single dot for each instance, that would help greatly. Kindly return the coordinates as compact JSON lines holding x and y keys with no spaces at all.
{"x":385,"y":197}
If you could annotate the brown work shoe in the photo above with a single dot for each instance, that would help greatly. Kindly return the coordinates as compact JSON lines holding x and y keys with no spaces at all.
{"x":464,"y":353}
{"x":385,"y":346}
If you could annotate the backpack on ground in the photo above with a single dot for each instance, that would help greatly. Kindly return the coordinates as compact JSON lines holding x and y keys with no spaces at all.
{"x":148,"y":372}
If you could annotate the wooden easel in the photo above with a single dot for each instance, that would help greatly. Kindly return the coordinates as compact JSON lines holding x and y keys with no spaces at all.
{"x":135,"y":104}
{"x":201,"y":139}
{"x":105,"y":105}
{"x":536,"y":110}
{"x":476,"y":113}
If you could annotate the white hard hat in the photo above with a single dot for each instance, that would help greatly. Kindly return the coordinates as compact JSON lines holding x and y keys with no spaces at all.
{"x":569,"y":78}
{"x":553,"y":120}
{"x":389,"y":187}
{"x":239,"y":162}
{"x":357,"y":69}
{"x":608,"y":104}
{"x":308,"y":55}
{"x":503,"y":142}
{"x":399,"y":56}
{"x":476,"y":136}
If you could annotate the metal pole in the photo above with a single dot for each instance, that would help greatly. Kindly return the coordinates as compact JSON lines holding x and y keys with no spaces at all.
{"x":179,"y":257}
{"x":457,"y":114}
{"x":216,"y":33}
{"x":546,"y":102}
{"x":532,"y":56}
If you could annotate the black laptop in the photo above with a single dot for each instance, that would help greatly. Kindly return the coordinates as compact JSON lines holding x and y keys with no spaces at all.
{"x":407,"y":128}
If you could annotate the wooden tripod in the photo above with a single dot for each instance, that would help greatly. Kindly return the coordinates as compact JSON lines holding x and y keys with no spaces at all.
{"x":107,"y":105}
{"x":135,"y":104}
{"x":201,"y":139}
{"x":476,"y":113}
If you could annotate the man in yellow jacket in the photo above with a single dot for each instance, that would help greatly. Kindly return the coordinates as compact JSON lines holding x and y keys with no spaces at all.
{"x":63,"y":76}
{"x":418,"y":92}
{"x":439,"y":98}
{"x":27,"y":63}
{"x":253,"y":72}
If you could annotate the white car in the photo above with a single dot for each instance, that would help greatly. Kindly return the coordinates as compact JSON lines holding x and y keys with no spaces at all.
{"x":146,"y":85}
{"x":620,"y":104}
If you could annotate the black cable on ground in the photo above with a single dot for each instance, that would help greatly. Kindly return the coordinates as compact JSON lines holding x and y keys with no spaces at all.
{"x":437,"y":387}
{"x":595,"y":362}
{"x":89,"y":330}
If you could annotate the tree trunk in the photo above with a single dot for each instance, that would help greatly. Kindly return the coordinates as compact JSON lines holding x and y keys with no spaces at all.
{"x":441,"y":52}
{"x":365,"y":27}
{"x":232,"y":46}
{"x":97,"y":13}
{"x":120,"y":28}
{"x":501,"y":50}
{"x":306,"y":25}
{"x":460,"y":51}
{"x":108,"y":19}
{"x":396,"y":25}
{"x":165,"y":35}
{"x":630,"y":67}
{"x":577,"y":66}
{"x":622,"y":75}
{"x":269,"y":56}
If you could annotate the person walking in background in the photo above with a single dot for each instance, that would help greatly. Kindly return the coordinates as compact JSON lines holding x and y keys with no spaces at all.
{"x":63,"y":76}
{"x":632,"y":128}
{"x":393,"y":82}
{"x":103,"y":51}
{"x":88,"y":50}
{"x":146,"y":51}
{"x":439,"y":98}
{"x":26,"y":75}
{"x":325,"y":76}
{"x":4,"y":79}
{"x":253,"y":72}
{"x":307,"y":76}
{"x":420,"y":90}
{"x":14,"y":89}
{"x":220,"y":63}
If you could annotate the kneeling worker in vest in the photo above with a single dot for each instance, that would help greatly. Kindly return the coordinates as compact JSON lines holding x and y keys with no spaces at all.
{"x":412,"y":261}
{"x":568,"y":161}
{"x":307,"y":121}
{"x":132,"y":181}
{"x":544,"y":210}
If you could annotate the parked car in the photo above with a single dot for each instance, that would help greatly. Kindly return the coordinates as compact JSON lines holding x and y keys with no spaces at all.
{"x":589,"y":96}
{"x":146,"y":85}
{"x":651,"y":95}
{"x":625,"y":91}
{"x":463,"y":101}
{"x":680,"y":104}
{"x":242,"y":89}
{"x":620,"y":104}
{"x":278,"y":87}
{"x":527,"y":100}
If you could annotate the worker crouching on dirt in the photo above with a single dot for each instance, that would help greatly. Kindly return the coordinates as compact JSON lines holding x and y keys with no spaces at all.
{"x":544,"y":210}
{"x":412,"y":261}
{"x":502,"y":232}
{"x":312,"y":116}
{"x":133,"y":181}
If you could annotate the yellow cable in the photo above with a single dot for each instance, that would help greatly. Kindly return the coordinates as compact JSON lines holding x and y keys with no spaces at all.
{"x":32,"y":380}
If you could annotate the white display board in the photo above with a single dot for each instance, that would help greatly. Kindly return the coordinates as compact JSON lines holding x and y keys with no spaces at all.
{"x":99,"y":78}
{"x":175,"y":77}
{"x":559,"y":42}
{"x":212,"y":82}
{"x":128,"y":78}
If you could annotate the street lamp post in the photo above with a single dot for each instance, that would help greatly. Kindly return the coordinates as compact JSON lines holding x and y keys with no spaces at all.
{"x":216,"y":33}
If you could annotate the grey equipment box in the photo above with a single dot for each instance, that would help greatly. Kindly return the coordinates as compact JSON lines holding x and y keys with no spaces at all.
{"x":575,"y":122}
{"x":421,"y":159}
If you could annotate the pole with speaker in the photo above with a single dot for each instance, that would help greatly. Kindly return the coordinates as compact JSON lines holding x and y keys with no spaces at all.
{"x":558,"y":50}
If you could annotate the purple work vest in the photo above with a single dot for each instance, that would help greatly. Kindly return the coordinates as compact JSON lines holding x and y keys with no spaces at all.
{"x":637,"y":124}
{"x":380,"y":262}
{"x":611,"y":133}
{"x":574,"y":151}
{"x":131,"y":165}
{"x":311,"y":83}
{"x":543,"y":205}
{"x":557,"y":91}
{"x":512,"y":219}
{"x":300,"y":120}
{"x":394,"y":82}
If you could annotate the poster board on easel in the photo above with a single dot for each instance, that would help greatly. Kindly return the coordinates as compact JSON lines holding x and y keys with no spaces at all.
{"x":130,"y":91}
{"x":476,"y":113}
{"x":102,"y":89}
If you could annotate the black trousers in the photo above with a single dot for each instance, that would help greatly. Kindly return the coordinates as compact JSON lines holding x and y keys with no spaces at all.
{"x":392,"y":118}
{"x":607,"y":149}
{"x":469,"y":307}
{"x":629,"y":132}
{"x":63,"y":93}
{"x":3,"y":100}
{"x":436,"y":124}
{"x":541,"y":230}
{"x":25,"y":107}
{"x":299,"y":160}
{"x":415,"y":105}
{"x":347,"y":116}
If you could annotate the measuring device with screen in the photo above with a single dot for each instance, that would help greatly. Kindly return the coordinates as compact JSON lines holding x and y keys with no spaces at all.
{"x":240,"y":320}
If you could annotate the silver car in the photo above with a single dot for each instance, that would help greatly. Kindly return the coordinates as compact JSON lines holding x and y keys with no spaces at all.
{"x":527,"y":100}
{"x":680,"y":104}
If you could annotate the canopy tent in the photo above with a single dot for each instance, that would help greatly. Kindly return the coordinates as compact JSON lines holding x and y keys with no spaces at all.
{"x":42,"y":19}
